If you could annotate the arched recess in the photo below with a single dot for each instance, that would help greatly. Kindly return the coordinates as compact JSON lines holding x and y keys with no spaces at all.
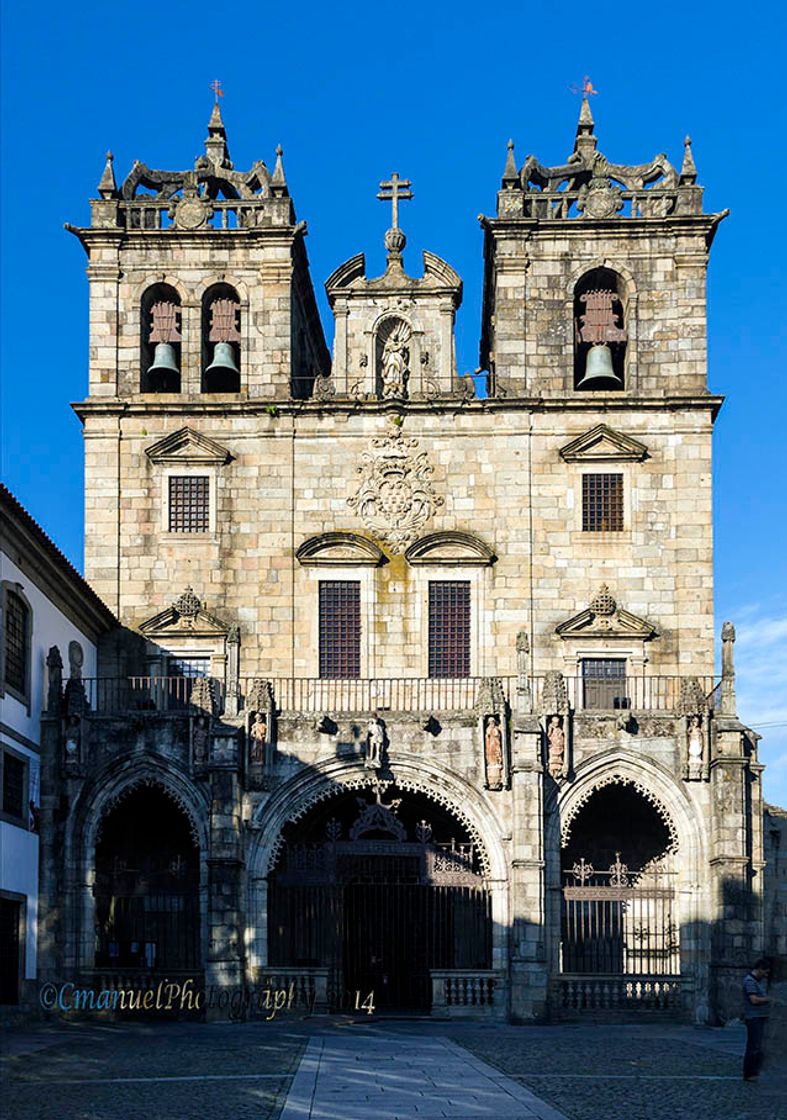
{"x":325,"y":780}
{"x":160,"y":339}
{"x":684,"y":844}
{"x":221,"y":339}
{"x":98,"y":798}
{"x":621,"y":278}
{"x":393,"y":357}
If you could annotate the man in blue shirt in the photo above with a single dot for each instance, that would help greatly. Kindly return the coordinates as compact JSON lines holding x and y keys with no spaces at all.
{"x":755,"y":1016}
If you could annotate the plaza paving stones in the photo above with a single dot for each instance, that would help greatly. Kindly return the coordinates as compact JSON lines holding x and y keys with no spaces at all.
{"x":597,"y":1072}
{"x":161,"y":1071}
{"x":380,"y":1070}
{"x":384,"y":1075}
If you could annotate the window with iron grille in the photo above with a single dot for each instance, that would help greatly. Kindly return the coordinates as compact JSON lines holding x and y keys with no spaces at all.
{"x":17,"y":642}
{"x":340,"y":628}
{"x":14,"y":783}
{"x":189,"y":504}
{"x":449,"y":628}
{"x":604,"y":682}
{"x":602,"y":503}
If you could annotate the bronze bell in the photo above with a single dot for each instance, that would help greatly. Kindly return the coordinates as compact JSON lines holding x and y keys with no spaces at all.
{"x":164,"y":360}
{"x":223,"y":367}
{"x":599,"y":371}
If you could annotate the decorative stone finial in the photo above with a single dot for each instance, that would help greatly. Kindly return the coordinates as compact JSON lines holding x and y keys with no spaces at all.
{"x":586,"y":141}
{"x":728,"y":701}
{"x":586,"y":123}
{"x":278,"y":181}
{"x":216,"y":144}
{"x":510,"y":173}
{"x":188,"y":605}
{"x":603,"y":603}
{"x":688,"y":171}
{"x":107,"y":187}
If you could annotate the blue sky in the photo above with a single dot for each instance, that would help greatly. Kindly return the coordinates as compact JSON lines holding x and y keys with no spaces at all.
{"x":433,"y":91}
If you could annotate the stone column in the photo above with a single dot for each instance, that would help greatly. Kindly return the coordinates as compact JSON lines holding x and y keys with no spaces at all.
{"x":528,"y":930}
{"x":735,"y":856}
{"x":224,"y":967}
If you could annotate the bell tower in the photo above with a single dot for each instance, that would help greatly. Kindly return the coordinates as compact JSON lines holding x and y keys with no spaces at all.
{"x":595,"y":276}
{"x":202,"y":317}
{"x":594,"y":323}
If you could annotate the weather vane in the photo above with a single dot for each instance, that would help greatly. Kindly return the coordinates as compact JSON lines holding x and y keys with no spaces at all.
{"x":218,"y":92}
{"x":586,"y":89}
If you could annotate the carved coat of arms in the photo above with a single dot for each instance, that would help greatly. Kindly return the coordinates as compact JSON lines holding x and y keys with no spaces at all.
{"x":396,"y":496}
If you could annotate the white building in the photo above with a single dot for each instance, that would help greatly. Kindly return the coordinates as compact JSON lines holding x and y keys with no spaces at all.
{"x":45,"y":604}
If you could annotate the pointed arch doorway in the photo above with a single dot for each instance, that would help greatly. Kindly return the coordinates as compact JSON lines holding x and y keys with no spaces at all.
{"x":381,"y":887}
{"x":620,"y":932}
{"x":147,"y":886}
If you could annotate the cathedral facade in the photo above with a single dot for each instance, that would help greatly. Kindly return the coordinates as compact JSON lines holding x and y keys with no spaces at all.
{"x":413,"y":698}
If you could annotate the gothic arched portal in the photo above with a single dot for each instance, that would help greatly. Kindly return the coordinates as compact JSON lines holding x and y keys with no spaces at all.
{"x":619,"y":916}
{"x":147,"y":905}
{"x":381,"y":886}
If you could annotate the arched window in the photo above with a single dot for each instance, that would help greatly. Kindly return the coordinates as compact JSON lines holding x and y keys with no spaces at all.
{"x":160,"y":340}
{"x":221,"y":338}
{"x":393,"y":359}
{"x":599,"y":332}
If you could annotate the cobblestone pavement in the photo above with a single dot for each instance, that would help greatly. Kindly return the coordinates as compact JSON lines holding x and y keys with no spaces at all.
{"x":185,"y":1071}
{"x":164,"y":1071}
{"x":622,"y":1072}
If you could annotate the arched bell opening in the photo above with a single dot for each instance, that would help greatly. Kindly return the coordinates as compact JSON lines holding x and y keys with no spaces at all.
{"x":160,"y":340}
{"x":600,"y":335}
{"x":619,"y":887}
{"x":146,"y":888}
{"x":221,"y":340}
{"x":379,"y":888}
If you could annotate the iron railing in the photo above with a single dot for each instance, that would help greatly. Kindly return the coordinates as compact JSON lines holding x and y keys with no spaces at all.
{"x":106,"y":695}
{"x":363,"y":696}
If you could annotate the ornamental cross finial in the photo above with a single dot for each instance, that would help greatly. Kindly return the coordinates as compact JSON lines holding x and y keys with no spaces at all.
{"x":218,"y":92}
{"x":393,"y":190}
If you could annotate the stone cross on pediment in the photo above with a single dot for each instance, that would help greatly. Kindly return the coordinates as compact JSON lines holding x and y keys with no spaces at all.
{"x":394,"y":190}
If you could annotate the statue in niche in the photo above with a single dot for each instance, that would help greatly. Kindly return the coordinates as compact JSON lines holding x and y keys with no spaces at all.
{"x":258,"y":733}
{"x":375,"y":742}
{"x":200,"y":740}
{"x":695,"y":747}
{"x":395,"y":360}
{"x":557,"y":748}
{"x":493,"y":753}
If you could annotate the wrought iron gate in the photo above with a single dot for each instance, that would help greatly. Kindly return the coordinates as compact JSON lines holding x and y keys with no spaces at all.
{"x":619,"y":938}
{"x":379,"y":937}
{"x":379,"y":914}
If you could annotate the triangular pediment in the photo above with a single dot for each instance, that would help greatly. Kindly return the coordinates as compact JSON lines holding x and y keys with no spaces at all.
{"x":188,"y":446}
{"x":604,"y":618}
{"x":186,"y":616}
{"x":452,"y":547}
{"x":603,"y":444}
{"x":340,"y":549}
